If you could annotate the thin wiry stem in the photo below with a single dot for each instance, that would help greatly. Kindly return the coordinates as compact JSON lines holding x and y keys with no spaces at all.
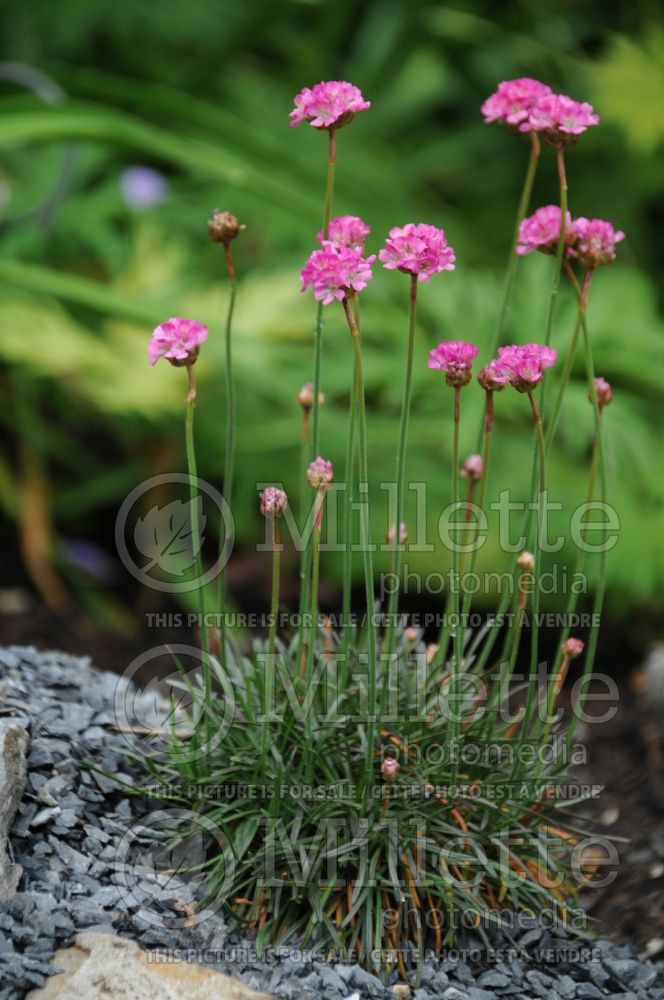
{"x":195,"y":536}
{"x":365,"y":536}
{"x":393,"y":604}
{"x":229,"y":455}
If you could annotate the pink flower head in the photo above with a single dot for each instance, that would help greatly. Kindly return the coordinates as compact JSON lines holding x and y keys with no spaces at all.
{"x":560,"y":119}
{"x":346,"y":231}
{"x":455,"y":358}
{"x":595,"y":242}
{"x":320,"y":473}
{"x":392,"y":534}
{"x":492,"y":378}
{"x":525,"y":364}
{"x":604,"y":392}
{"x":390,"y":768}
{"x":417,"y":248}
{"x":330,"y":104}
{"x":541,"y":231}
{"x":472,"y":468}
{"x":411,"y":635}
{"x":178,"y":340}
{"x":573,"y":647}
{"x":274,"y":502}
{"x":513,"y":101}
{"x":336,"y":272}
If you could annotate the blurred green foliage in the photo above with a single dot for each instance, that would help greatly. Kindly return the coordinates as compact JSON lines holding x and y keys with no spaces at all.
{"x":201,"y":92}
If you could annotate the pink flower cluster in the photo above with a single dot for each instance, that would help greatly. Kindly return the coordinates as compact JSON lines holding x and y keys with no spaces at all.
{"x":590,"y":241}
{"x":560,"y":119}
{"x":455,"y":358}
{"x":335,"y":272}
{"x":472,"y":468}
{"x":604,"y":392}
{"x":417,"y":248}
{"x":541,"y":230}
{"x":346,"y":231}
{"x":492,"y":377}
{"x":525,"y":364}
{"x":329,"y":104}
{"x":573,"y":647}
{"x":274,"y":502}
{"x":527,"y":105}
{"x":594,"y":242}
{"x":320,"y":473}
{"x":178,"y":340}
{"x":514,"y":100}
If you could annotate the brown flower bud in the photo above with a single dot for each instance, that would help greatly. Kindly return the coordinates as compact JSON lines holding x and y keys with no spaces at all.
{"x":526,"y":562}
{"x":223,"y":227}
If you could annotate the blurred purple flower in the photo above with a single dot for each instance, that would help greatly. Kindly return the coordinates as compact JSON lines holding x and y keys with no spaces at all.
{"x":142,"y":188}
{"x":88,"y":557}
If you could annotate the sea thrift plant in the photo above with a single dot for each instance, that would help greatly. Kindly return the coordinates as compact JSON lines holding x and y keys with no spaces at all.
{"x":320,"y":473}
{"x":525,"y":364}
{"x":472,"y":468}
{"x":274,"y":502}
{"x":559,"y":119}
{"x":368,"y":722}
{"x":603,"y":391}
{"x":335,"y":272}
{"x":418,"y":249}
{"x":346,"y":231}
{"x":541,"y":231}
{"x":178,"y":340}
{"x":594,"y":242}
{"x":328,"y":105}
{"x":513,"y":101}
{"x":455,"y":358}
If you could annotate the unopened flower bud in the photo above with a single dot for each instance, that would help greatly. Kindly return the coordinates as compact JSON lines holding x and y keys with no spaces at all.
{"x":472,"y":468}
{"x":604,"y":392}
{"x":411,"y":635}
{"x":526,"y":562}
{"x":223,"y":227}
{"x":305,"y":397}
{"x":320,"y":473}
{"x":573,"y":648}
{"x":273,"y":502}
{"x":392,"y":534}
{"x":390,"y":768}
{"x":491,"y":378}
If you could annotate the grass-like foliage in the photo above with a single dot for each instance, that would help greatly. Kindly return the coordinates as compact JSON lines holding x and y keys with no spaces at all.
{"x":316,"y":852}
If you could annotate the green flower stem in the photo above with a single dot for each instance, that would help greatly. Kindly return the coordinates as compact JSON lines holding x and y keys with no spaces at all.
{"x":513,"y":260}
{"x":195,"y":536}
{"x":456,"y":594}
{"x":365,"y":536}
{"x":318,"y":334}
{"x":305,"y":563}
{"x":229,"y":455}
{"x":481,"y":496}
{"x":535,"y":603}
{"x":552,"y":423}
{"x":393,"y":604}
{"x":313,"y":611}
{"x":598,"y":604}
{"x":348,"y":534}
{"x":553,"y":298}
{"x":272,"y":636}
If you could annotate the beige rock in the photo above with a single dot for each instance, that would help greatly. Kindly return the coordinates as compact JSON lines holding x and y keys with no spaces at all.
{"x":13,"y":769}
{"x":106,"y":967}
